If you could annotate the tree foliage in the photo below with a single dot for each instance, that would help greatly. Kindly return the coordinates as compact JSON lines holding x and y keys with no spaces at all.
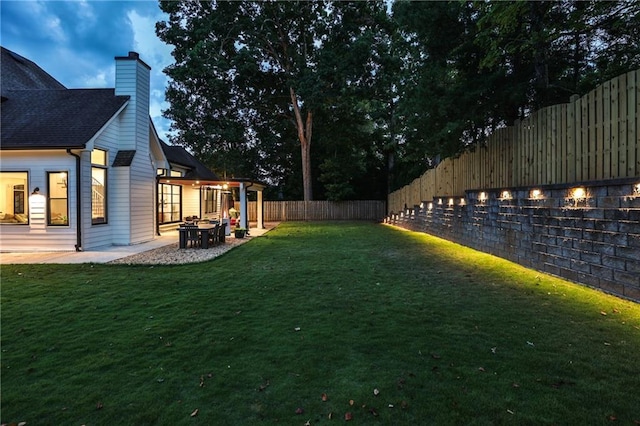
{"x":253,"y":79}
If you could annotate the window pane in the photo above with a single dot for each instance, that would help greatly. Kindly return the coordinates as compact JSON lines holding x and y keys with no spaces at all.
{"x":58,"y":212}
{"x":99,"y":156}
{"x":13,"y":198}
{"x":98,"y":195}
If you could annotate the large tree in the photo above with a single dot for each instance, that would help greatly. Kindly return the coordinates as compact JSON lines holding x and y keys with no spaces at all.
{"x":249,"y":76}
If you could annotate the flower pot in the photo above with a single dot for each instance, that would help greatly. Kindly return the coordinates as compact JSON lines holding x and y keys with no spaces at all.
{"x":239,"y":233}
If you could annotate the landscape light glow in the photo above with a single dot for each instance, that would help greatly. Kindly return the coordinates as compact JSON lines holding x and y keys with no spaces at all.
{"x":578,"y":193}
{"x":536,"y":193}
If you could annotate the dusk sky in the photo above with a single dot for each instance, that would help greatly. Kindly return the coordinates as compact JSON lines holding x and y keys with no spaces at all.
{"x":76,"y":42}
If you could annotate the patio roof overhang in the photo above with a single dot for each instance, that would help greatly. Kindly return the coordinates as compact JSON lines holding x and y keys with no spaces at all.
{"x":249,"y":184}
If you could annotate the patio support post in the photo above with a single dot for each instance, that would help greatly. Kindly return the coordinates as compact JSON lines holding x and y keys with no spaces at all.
{"x":244,"y":219}
{"x":260,"y":211}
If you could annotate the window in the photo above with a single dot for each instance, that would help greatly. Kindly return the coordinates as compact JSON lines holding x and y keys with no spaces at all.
{"x":98,"y":186}
{"x":58,"y":198}
{"x":211,"y":204}
{"x":169,"y":201}
{"x":13,"y":198}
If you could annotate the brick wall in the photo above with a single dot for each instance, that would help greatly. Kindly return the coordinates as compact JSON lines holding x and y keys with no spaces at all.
{"x":587,"y":233}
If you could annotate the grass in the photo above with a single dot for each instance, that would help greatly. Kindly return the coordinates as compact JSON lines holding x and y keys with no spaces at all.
{"x":444,"y":334}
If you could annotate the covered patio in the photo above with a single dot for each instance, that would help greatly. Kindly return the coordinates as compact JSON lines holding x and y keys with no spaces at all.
{"x":185,"y":198}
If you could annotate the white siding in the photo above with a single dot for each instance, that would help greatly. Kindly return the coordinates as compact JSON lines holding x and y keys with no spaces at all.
{"x":37,"y":235}
{"x":190,"y":201}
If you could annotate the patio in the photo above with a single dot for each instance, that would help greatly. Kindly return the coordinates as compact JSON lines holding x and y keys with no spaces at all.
{"x":161,"y":251}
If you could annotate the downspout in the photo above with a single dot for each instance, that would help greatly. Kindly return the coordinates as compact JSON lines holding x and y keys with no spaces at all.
{"x":78,"y":204}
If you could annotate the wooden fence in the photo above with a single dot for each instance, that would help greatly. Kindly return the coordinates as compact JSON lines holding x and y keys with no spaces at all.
{"x":591,"y":138}
{"x":279,"y":211}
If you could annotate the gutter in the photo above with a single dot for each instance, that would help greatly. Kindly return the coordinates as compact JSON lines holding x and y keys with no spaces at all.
{"x":78,"y":204}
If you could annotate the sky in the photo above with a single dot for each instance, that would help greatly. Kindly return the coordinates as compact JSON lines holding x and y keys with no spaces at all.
{"x":76,"y":42}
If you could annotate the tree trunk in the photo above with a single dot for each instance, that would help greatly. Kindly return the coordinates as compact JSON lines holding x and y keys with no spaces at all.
{"x":304,"y":135}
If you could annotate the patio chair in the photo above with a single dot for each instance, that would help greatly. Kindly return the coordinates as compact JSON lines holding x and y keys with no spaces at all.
{"x":221,"y":233}
{"x":213,"y":235}
{"x":193,"y":237}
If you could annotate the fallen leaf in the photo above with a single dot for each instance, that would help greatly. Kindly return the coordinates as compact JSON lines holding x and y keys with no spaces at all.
{"x":376,"y":392}
{"x":374,"y":412}
{"x":435,"y":356}
{"x":99,"y":406}
{"x":348,"y":416}
{"x":308,"y":423}
{"x":515,"y":385}
{"x":201,"y":381}
{"x":509,"y":411}
{"x":195,"y":413}
{"x":330,"y":415}
{"x":603,"y":313}
{"x":351,"y":402}
{"x":481,"y":369}
{"x":299,"y":410}
{"x":325,"y":397}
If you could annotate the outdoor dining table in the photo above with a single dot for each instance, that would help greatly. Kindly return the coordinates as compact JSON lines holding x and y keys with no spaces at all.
{"x":203,"y":234}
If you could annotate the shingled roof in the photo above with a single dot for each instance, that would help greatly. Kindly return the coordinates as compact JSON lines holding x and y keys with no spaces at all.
{"x":178,"y":155}
{"x":66,"y":118}
{"x":20,"y":73}
{"x":38,"y":112}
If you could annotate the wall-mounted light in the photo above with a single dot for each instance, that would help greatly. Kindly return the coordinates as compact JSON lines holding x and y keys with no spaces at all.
{"x":462,"y":201}
{"x":578,"y":194}
{"x":422,"y":205}
{"x":440,"y":201}
{"x":636,"y":189}
{"x":450,"y":201}
{"x":536,"y":193}
{"x":430,"y":206}
{"x":482,"y":196}
{"x":36,"y":191}
{"x":506,"y":195}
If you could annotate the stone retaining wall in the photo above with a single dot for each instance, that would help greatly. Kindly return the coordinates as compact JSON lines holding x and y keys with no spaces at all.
{"x":587,"y":233}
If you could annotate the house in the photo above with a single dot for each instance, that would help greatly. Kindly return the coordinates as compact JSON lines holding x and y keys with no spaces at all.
{"x":84,"y":168}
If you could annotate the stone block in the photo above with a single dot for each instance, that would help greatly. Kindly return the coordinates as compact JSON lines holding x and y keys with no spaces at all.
{"x":608,"y":202}
{"x":602,"y":272}
{"x":613,"y":262}
{"x":632,"y":253}
{"x":632,"y":293}
{"x":612,"y":287}
{"x":626,"y":278}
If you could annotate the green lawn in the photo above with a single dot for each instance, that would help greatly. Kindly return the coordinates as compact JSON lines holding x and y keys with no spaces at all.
{"x":394,"y":327}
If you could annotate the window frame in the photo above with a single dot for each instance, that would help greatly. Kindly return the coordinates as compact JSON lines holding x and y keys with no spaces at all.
{"x":50,"y":199}
{"x":101,"y":166}
{"x":162,"y":202}
{"x":25,"y":199}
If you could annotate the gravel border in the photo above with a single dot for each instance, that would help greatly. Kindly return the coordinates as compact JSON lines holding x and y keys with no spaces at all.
{"x":173,"y":255}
